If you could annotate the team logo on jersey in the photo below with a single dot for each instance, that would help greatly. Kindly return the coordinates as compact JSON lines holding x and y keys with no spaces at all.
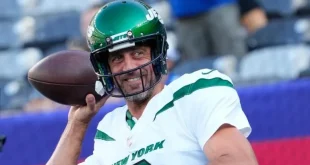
{"x":141,"y":152}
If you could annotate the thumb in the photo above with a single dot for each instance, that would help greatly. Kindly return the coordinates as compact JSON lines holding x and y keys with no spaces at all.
{"x":102,"y":101}
{"x":91,"y":102}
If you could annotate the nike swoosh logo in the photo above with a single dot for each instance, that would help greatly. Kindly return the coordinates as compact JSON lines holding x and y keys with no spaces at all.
{"x":204,"y":73}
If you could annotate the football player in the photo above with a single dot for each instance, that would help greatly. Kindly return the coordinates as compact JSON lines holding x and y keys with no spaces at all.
{"x":195,"y":120}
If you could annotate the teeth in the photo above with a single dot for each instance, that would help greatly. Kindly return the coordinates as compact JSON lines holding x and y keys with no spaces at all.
{"x":134,"y":79}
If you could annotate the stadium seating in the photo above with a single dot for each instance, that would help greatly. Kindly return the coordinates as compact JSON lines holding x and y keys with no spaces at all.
{"x":14,"y":87}
{"x":280,"y":32}
{"x":8,"y":37}
{"x":303,"y":8}
{"x":9,"y":9}
{"x":274,"y":63}
{"x":15,"y":63}
{"x":278,"y":8}
{"x":55,"y":27}
{"x":45,"y":7}
{"x":192,"y":65}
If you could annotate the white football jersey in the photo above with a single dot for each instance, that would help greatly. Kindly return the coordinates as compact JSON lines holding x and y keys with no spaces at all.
{"x":174,"y":126}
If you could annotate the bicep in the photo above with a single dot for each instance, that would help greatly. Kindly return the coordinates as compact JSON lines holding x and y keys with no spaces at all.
{"x":229,"y":146}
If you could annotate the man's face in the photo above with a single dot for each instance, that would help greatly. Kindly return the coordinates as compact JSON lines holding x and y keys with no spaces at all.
{"x":130,"y":58}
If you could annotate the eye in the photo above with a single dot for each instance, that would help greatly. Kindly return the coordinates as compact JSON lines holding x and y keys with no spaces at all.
{"x":116,"y":58}
{"x":138,"y":53}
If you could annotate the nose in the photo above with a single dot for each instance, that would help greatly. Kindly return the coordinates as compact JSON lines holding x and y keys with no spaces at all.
{"x":129,"y":63}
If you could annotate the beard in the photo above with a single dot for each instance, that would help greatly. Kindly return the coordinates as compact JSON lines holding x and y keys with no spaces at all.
{"x":141,"y":97}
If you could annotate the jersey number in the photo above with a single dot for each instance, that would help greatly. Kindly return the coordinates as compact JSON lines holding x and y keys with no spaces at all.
{"x":142,"y":162}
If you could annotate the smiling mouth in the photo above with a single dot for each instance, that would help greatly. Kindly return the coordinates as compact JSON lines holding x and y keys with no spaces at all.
{"x":132,"y":84}
{"x":133,"y":79}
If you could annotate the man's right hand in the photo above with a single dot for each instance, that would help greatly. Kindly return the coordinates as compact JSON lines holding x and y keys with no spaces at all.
{"x":84,"y":114}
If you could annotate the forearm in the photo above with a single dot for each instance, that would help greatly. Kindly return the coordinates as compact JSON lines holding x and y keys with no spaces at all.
{"x":69,"y":146}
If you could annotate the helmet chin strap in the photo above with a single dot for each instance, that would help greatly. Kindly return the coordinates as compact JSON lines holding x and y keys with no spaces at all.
{"x":99,"y":88}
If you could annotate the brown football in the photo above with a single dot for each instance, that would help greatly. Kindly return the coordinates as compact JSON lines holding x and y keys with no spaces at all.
{"x":65,"y":77}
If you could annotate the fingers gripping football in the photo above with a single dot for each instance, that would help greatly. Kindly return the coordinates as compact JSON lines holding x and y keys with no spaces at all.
{"x":83,"y":114}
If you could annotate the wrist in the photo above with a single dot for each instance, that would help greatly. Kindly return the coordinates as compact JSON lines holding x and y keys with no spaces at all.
{"x":77,"y":124}
{"x":75,"y":129}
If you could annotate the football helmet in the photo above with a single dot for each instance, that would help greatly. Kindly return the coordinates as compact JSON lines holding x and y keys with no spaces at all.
{"x":121,"y":24}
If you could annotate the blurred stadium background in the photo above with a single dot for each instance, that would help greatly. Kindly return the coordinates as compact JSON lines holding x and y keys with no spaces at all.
{"x":271,"y":78}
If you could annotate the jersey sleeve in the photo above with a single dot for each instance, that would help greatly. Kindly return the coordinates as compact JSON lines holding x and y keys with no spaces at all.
{"x":211,"y":102}
{"x":91,"y":160}
{"x":96,"y":158}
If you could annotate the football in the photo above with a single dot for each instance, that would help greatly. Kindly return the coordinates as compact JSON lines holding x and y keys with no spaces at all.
{"x":65,"y":77}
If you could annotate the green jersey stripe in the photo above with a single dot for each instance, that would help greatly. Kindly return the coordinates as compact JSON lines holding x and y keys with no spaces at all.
{"x":190,"y":88}
{"x":103,"y":136}
{"x":131,"y":123}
